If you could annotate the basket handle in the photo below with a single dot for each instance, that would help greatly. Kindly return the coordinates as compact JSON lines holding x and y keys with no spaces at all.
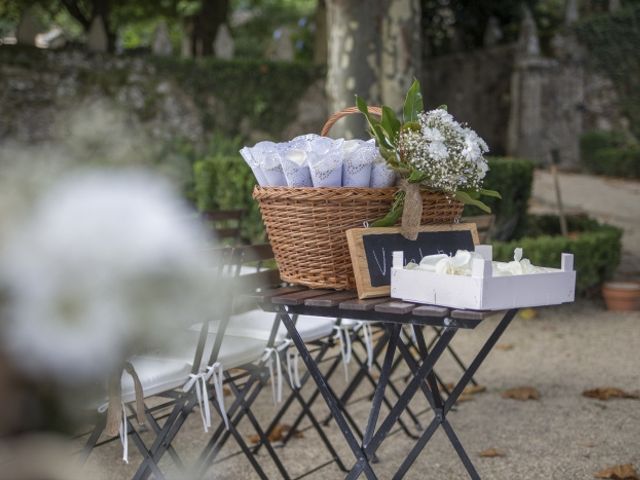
{"x":345,"y":112}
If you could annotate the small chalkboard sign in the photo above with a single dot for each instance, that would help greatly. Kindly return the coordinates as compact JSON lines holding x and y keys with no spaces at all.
{"x":371,"y":251}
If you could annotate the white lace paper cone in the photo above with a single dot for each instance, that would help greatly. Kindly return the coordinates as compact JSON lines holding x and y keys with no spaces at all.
{"x":326,"y":170}
{"x":296,"y":168}
{"x":382,"y":176}
{"x":325,"y":145}
{"x":268,"y":155}
{"x":255,"y":167}
{"x":356,"y":169}
{"x":303,"y":142}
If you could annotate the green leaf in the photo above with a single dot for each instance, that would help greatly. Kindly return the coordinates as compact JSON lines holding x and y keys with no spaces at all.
{"x":415,"y":126}
{"x":490,"y":193}
{"x":364,"y":109}
{"x":413,"y":103}
{"x":390,"y":123}
{"x":391,"y":218}
{"x":443,"y":107}
{"x":467,"y":199}
{"x":382,"y":139}
{"x":416,"y":177}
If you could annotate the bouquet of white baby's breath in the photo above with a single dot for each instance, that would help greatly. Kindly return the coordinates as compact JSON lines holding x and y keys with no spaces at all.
{"x":448,"y":155}
{"x":429,"y":150}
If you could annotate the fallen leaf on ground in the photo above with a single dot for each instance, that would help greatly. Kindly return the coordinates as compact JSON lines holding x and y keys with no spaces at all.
{"x":521,"y":393}
{"x":473,"y":389}
{"x":226,"y":391}
{"x":277,"y":434}
{"x":528,"y":314}
{"x":464,"y":398}
{"x":619,"y":472}
{"x":504,"y":347}
{"x":492,"y":453}
{"x":605,"y":393}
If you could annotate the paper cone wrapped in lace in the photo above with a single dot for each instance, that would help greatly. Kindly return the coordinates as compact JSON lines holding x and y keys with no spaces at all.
{"x":382,"y":176}
{"x":254,"y":165}
{"x":358,"y":159}
{"x":268,"y":155}
{"x":326,"y":170}
{"x":295,"y":165}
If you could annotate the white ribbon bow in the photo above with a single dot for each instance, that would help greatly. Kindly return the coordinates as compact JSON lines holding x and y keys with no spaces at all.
{"x":200,"y":380}
{"x":343,"y":334}
{"x":123,"y":431}
{"x":293,"y":360}
{"x":276,"y":384}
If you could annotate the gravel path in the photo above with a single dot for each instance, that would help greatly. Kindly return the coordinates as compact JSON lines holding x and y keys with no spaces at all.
{"x":563,"y":435}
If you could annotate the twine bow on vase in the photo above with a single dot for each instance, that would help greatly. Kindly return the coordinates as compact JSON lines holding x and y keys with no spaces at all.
{"x":412,"y":209}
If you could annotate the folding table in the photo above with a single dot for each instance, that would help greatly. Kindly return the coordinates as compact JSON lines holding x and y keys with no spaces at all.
{"x":391,"y":315}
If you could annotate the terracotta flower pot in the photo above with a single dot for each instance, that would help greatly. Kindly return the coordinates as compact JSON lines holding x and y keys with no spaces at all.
{"x":621,"y":296}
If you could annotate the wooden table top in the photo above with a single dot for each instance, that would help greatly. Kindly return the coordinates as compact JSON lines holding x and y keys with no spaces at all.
{"x":303,"y":300}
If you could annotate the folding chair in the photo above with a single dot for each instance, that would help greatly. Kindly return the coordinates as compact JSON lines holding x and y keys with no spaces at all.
{"x":183,"y":378}
{"x":226,"y":225}
{"x":260,"y":324}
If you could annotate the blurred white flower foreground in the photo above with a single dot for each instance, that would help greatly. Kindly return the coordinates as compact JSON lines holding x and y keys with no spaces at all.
{"x":108,"y":263}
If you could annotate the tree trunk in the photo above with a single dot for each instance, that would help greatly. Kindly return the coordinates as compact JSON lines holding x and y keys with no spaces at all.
{"x":401,"y":50}
{"x":320,"y":40}
{"x":354,"y":31}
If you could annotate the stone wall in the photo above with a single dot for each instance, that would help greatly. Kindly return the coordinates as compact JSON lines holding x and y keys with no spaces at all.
{"x":476,"y":89}
{"x":40,"y":90}
{"x":525,"y":104}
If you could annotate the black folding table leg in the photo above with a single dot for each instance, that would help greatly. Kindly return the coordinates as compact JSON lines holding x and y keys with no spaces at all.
{"x":378,"y":395}
{"x":441,"y":412}
{"x":362,"y":365}
{"x":455,"y":356}
{"x":329,"y":397}
{"x":416,"y":382}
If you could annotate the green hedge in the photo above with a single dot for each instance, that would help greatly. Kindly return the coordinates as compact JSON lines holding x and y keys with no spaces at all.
{"x":596,"y":248}
{"x":610,"y":153}
{"x":512,"y":177}
{"x":226,"y":182}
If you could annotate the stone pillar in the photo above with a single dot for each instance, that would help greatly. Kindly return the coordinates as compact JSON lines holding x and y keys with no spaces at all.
{"x":97,"y":40}
{"x":28,"y":27}
{"x":161,"y":41}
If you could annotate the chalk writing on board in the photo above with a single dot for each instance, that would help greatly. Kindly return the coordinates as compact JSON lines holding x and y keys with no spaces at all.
{"x":379,"y":248}
{"x":383,"y":268}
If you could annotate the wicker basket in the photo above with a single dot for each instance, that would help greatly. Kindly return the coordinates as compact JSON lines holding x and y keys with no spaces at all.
{"x":306,"y":226}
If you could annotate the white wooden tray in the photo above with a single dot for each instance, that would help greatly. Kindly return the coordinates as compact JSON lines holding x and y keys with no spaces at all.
{"x":481,"y":290}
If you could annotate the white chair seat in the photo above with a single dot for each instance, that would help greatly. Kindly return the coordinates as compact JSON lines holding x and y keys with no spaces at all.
{"x":258,"y":324}
{"x":159,"y":373}
{"x":156,"y":375}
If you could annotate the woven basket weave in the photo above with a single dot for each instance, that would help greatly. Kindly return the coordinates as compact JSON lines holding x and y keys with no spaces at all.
{"x":306,"y":226}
